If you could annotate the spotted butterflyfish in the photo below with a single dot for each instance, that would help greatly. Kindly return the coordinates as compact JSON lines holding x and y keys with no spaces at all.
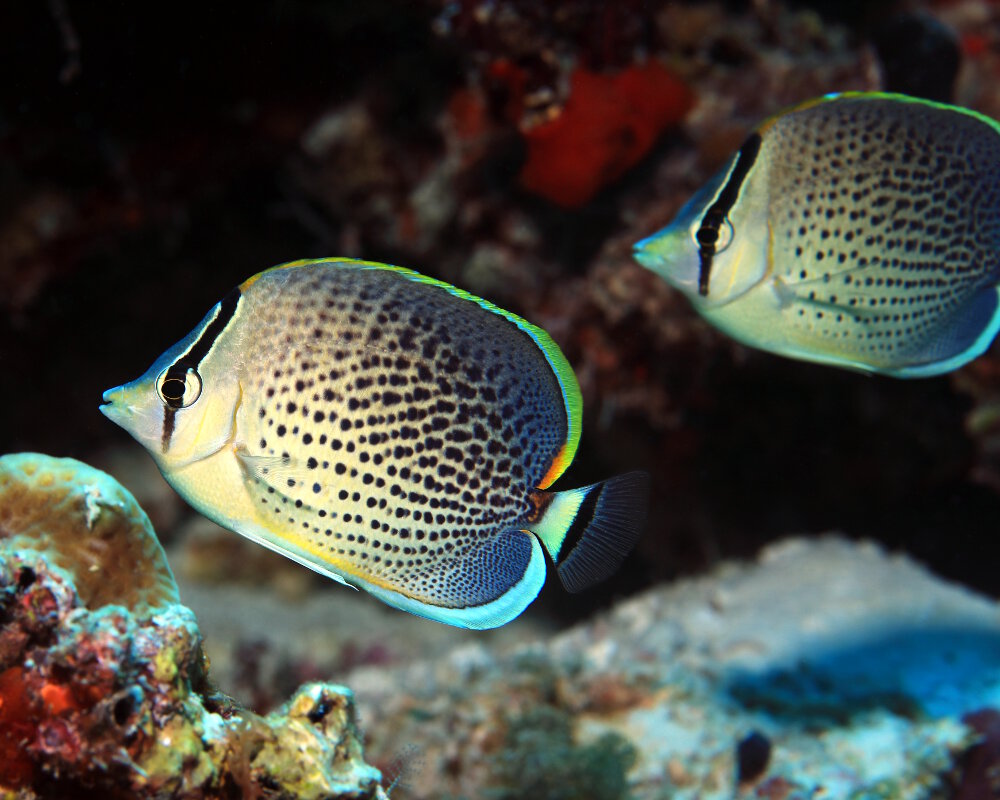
{"x":860,"y":230}
{"x":389,"y":431}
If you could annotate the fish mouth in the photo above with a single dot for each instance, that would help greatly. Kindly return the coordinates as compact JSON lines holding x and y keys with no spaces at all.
{"x":107,"y":406}
{"x":641,"y":253}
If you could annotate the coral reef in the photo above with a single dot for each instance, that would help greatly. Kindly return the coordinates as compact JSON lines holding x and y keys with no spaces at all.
{"x":977,"y":772}
{"x":574,"y":80}
{"x":104,"y":689}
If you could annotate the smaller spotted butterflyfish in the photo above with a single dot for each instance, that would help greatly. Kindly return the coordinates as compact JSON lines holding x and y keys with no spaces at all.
{"x":389,"y":431}
{"x":860,"y":230}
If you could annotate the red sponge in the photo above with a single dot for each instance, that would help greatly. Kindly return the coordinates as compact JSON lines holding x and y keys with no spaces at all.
{"x":608,"y":124}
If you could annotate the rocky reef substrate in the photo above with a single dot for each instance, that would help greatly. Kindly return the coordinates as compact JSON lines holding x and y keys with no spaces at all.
{"x":104,"y":686}
{"x":824,"y":668}
{"x":827,"y":668}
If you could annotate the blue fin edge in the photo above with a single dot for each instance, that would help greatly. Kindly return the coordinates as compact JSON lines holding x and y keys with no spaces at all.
{"x":973,"y":351}
{"x":493,"y":614}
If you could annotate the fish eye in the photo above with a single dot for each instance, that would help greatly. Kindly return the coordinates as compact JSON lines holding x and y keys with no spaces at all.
{"x":714,"y":234}
{"x":177,"y":389}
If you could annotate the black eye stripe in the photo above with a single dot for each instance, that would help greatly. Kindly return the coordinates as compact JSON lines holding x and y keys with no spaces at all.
{"x":708,"y":231}
{"x":190,"y":361}
{"x":193,"y":357}
{"x":168,"y":427}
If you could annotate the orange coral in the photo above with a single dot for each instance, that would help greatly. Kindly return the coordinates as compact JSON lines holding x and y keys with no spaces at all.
{"x":608,"y":124}
{"x":57,"y":698}
{"x":16,"y":768}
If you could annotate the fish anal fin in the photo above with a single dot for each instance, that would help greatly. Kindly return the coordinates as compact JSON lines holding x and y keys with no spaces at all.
{"x":963,"y":335}
{"x":484,"y":585}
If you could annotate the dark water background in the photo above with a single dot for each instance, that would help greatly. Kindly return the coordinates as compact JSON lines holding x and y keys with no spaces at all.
{"x":169,"y":165}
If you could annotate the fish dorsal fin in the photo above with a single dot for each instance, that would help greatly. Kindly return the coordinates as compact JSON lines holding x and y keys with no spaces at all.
{"x":875,"y":97}
{"x":564,"y":373}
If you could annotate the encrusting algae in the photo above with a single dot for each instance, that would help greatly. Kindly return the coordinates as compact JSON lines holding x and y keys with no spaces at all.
{"x":103,"y":681}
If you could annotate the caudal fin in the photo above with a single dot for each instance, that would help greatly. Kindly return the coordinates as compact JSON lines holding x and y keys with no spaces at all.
{"x":595,"y":526}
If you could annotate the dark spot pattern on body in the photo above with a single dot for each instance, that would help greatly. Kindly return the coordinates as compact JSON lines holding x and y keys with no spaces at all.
{"x":451,"y":416}
{"x":898,"y":228}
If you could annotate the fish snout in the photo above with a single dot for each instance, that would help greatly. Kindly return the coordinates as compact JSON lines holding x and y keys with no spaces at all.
{"x":113,"y":404}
